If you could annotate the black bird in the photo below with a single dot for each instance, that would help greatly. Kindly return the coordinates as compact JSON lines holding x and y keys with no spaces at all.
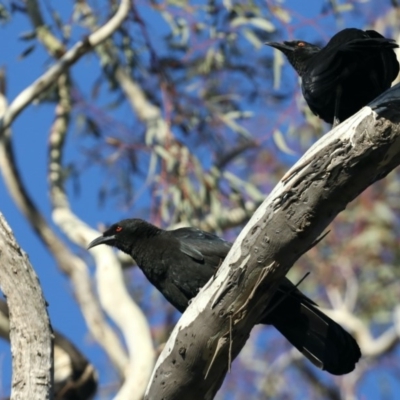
{"x":180,"y":262}
{"x":350,"y":71}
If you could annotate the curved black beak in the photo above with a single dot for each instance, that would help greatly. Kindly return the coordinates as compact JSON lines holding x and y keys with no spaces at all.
{"x":101,"y":240}
{"x":281,"y":46}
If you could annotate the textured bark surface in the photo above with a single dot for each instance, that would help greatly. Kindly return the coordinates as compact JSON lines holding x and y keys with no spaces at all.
{"x":332,"y":173}
{"x":30,"y":331}
{"x":74,"y":377}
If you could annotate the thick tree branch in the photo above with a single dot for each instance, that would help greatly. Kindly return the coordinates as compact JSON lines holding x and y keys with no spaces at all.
{"x":332,"y":173}
{"x":31,"y":335}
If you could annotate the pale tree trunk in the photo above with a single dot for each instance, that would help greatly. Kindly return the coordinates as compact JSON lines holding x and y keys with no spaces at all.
{"x":31,"y":335}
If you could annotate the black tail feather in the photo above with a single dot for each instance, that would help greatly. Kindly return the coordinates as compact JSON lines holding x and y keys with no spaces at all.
{"x":320,"y":339}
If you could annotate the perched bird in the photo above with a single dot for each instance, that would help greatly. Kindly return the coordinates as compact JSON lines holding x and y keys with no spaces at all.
{"x":180,"y":262}
{"x":350,"y":71}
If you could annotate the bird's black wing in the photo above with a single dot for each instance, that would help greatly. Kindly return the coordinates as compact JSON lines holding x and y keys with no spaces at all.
{"x":346,"y":52}
{"x":192,"y":258}
{"x":202,"y":246}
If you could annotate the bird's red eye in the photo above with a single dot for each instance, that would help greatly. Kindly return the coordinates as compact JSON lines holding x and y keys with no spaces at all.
{"x":300,"y":44}
{"x":118,"y":229}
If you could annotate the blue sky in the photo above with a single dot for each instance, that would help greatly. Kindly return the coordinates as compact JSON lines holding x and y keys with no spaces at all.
{"x":30,"y":133}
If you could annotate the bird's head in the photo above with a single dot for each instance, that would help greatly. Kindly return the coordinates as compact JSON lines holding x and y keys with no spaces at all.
{"x":124,"y":234}
{"x":298,"y":52}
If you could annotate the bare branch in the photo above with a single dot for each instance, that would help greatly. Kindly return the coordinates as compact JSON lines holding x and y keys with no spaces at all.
{"x":133,"y":376}
{"x":370,"y":346}
{"x":65,"y":62}
{"x":117,"y":301}
{"x":70,"y":264}
{"x":53,"y":45}
{"x":30,"y":331}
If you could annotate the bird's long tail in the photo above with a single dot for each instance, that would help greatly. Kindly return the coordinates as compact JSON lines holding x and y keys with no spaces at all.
{"x":320,"y":339}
